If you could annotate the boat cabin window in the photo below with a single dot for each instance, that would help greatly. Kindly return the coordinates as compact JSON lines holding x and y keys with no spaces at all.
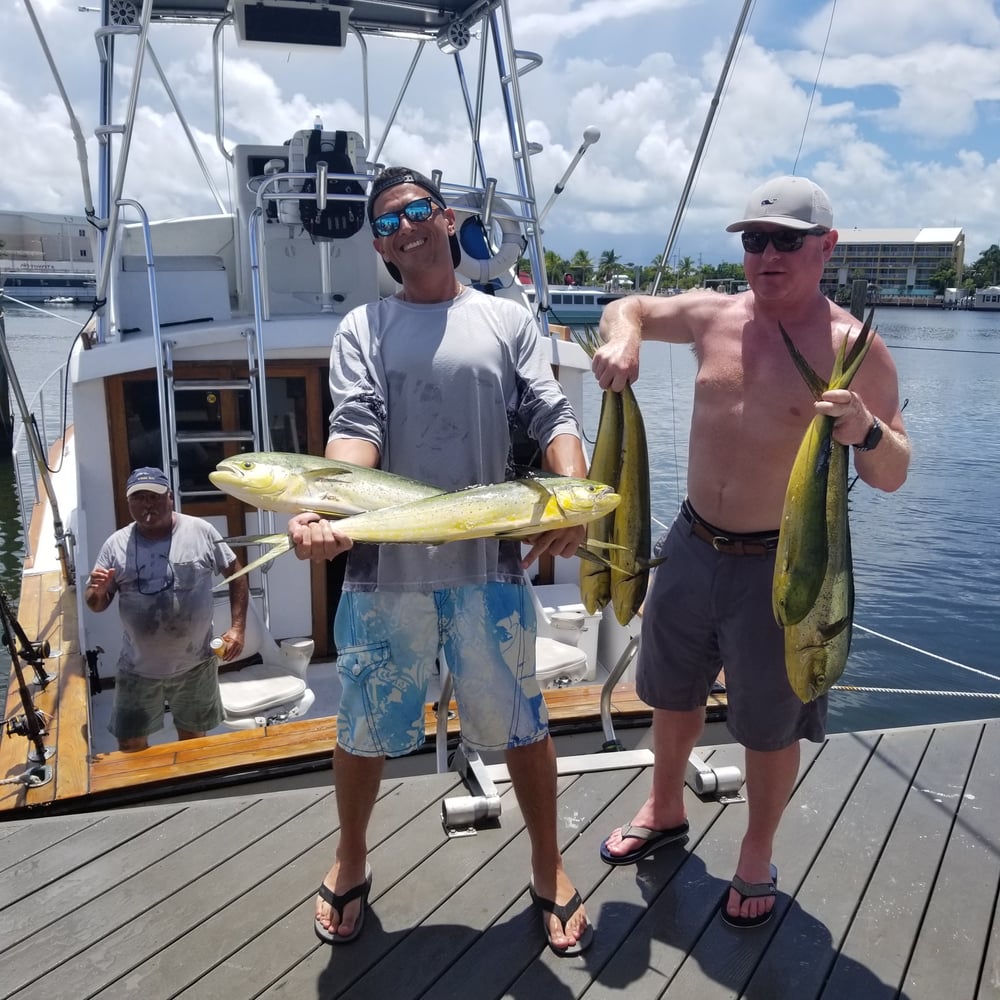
{"x":213,"y":420}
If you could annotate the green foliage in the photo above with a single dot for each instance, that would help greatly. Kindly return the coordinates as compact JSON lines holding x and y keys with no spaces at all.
{"x":986,"y":270}
{"x":685,"y":274}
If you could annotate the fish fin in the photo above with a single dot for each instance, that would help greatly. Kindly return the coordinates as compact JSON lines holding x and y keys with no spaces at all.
{"x":593,"y":543}
{"x":588,"y":554}
{"x":817,"y":386}
{"x":855,"y":356}
{"x":279,"y":547}
{"x":331,"y":472}
{"x":862,"y":337}
{"x":828,"y":632}
{"x":238,"y":541}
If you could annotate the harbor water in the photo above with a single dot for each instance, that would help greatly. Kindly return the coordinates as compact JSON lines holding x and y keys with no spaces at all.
{"x":926,"y":559}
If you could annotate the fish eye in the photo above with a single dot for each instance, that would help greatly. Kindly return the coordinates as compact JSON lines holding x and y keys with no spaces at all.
{"x":246,"y":465}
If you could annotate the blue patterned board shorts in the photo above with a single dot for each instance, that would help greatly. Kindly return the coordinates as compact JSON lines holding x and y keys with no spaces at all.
{"x":194,"y":698}
{"x":708,"y":609}
{"x":388,"y":645}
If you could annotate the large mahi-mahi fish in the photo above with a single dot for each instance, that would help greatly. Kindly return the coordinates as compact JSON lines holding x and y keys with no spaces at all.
{"x":516,"y":509}
{"x":813,"y":592}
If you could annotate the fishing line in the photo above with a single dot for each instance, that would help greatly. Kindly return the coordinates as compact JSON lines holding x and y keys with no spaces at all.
{"x":812,"y":96}
{"x":934,"y":656}
{"x":940,"y":350}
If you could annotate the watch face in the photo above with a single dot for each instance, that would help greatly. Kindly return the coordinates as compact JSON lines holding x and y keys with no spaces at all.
{"x":872,"y":438}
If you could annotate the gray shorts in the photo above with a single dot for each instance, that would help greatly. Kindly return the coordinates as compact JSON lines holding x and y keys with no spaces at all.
{"x":193,"y":696}
{"x":387,"y":648}
{"x":708,"y":609}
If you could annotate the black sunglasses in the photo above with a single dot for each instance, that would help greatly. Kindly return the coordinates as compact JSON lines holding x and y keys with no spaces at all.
{"x":783,"y":240}
{"x":155,"y":583}
{"x":417,"y":211}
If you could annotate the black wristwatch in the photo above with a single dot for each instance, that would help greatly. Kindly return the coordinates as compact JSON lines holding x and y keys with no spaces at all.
{"x":872,"y":438}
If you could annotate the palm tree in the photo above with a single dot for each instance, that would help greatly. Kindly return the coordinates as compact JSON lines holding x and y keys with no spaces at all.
{"x":555,"y":267}
{"x":581,"y":267}
{"x":685,"y":271}
{"x":607,"y":265}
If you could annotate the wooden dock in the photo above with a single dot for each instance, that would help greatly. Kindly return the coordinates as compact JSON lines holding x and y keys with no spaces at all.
{"x":888,"y":861}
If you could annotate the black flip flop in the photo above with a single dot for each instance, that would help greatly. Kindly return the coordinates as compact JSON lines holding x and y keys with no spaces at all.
{"x":564,"y":912}
{"x":746,"y":890}
{"x":652,"y":839}
{"x":338,"y":902}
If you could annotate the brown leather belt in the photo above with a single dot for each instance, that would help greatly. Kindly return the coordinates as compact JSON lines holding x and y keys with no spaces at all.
{"x":733,"y":545}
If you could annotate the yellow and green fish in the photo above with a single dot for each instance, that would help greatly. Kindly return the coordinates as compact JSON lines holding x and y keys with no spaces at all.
{"x":516,"y":509}
{"x":290,"y":483}
{"x":620,"y":458}
{"x":813,"y":592}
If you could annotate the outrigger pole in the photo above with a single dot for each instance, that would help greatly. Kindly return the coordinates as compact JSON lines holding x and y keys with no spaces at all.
{"x":696,"y":161}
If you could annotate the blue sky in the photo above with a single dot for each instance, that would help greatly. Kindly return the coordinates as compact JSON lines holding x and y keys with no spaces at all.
{"x":903,"y":129}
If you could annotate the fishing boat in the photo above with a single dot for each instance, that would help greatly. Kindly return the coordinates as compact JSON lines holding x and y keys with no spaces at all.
{"x":210,"y":337}
{"x":573,"y":305}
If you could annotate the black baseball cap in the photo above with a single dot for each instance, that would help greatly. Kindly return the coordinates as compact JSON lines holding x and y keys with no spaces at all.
{"x":406,"y":175}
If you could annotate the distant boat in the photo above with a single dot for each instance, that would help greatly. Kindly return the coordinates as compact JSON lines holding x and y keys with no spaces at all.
{"x":49,"y":286}
{"x":574,"y":305}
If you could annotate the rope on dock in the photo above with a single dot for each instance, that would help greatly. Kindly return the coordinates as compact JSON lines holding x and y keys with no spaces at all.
{"x":945,"y":694}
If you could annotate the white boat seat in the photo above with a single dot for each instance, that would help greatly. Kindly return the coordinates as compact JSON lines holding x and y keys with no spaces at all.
{"x":275,"y":688}
{"x":257,"y":687}
{"x":558,"y":662}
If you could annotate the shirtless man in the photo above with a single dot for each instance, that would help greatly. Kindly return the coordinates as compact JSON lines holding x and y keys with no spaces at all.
{"x":710,"y":605}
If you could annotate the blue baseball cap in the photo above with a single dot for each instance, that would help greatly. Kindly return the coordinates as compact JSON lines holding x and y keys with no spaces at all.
{"x":149,"y":479}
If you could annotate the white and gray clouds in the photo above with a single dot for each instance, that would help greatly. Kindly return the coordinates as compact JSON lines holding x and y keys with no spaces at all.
{"x":902,"y":129}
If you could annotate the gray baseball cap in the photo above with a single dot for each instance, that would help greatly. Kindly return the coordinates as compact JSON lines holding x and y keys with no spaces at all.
{"x":793,"y":202}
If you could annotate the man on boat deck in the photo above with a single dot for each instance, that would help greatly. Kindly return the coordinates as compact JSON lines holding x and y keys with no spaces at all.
{"x":162,"y":566}
{"x":710,"y":602}
{"x":430,"y":383}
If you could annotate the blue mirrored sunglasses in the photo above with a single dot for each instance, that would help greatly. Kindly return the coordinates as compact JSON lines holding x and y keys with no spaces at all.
{"x":783,"y":240}
{"x":417,"y":211}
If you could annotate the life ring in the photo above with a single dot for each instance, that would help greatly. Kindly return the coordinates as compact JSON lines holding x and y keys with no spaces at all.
{"x":480,"y":261}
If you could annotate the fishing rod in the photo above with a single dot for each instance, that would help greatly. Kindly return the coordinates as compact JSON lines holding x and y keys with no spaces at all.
{"x":33,"y":723}
{"x":34,"y":652}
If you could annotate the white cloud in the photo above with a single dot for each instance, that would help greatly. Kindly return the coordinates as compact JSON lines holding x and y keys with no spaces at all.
{"x":902,"y":130}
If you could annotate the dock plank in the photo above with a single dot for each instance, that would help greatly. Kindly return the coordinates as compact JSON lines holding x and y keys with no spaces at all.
{"x":954,"y":933}
{"x":108,"y":936}
{"x":807,"y":941}
{"x":889,"y":868}
{"x":888,"y":920}
{"x":264,"y":949}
